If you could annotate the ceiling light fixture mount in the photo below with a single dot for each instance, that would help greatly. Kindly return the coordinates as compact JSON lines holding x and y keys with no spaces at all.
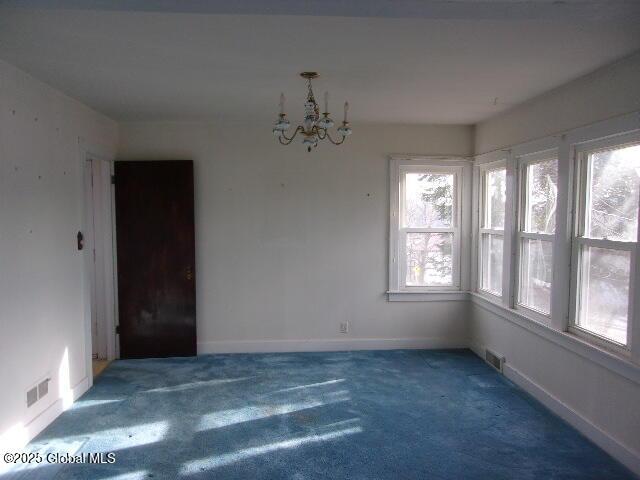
{"x":314,"y":127}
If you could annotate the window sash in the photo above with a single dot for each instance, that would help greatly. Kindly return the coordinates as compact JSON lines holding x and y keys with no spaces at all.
{"x":583,"y":175}
{"x":491,"y":231}
{"x":407,"y":169}
{"x":455,"y":262}
{"x":524,"y":163}
{"x":539,"y":315}
{"x":606,"y":244}
{"x":545,"y":237}
{"x":485,"y":210}
{"x":594,"y":338}
{"x":578,"y":287}
{"x":428,"y":230}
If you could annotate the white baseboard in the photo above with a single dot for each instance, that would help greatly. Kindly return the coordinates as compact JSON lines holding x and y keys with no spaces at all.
{"x":327,"y":345}
{"x":477,"y":349}
{"x":20,"y":435}
{"x":613,"y":447}
{"x":614,"y":362}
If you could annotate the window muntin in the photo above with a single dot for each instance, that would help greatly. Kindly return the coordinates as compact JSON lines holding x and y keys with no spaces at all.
{"x":428,"y":230}
{"x":493,"y":200}
{"x":606,"y":237}
{"x":538,"y":196}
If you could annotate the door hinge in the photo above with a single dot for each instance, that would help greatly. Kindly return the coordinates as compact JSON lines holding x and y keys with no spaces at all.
{"x":117,"y":329}
{"x":113,"y":179}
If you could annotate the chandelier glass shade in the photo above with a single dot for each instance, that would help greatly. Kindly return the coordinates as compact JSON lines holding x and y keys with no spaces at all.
{"x":315,"y":127}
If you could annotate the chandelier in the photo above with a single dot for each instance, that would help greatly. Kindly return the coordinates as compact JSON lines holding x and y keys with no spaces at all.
{"x":314,"y":128}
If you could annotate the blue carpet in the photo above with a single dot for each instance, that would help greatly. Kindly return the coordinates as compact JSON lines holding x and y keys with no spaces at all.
{"x":402,"y":414}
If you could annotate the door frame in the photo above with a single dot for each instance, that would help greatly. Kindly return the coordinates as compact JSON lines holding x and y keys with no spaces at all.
{"x":105,"y":158}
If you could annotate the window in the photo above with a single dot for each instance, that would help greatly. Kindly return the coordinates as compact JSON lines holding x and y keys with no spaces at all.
{"x":493,"y":191}
{"x":536,"y":229}
{"x":563,"y":248}
{"x":428,"y":226}
{"x":425,"y":241}
{"x":605,"y":239}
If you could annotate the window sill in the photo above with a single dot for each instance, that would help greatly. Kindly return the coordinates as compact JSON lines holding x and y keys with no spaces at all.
{"x":489,"y":297}
{"x":428,"y":296}
{"x":615,"y":362}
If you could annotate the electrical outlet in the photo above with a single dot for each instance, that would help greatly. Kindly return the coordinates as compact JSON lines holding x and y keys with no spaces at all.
{"x":344,"y":327}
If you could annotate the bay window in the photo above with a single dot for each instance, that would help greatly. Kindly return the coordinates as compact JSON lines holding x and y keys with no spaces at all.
{"x":557,"y":237}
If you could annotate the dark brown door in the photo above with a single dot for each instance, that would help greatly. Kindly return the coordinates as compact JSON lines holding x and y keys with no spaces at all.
{"x":156,"y":258}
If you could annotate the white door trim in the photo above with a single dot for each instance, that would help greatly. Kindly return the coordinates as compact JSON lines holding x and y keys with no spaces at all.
{"x":98,"y":284}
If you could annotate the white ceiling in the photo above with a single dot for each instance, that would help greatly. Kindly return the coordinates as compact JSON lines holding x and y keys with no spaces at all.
{"x":405,"y":64}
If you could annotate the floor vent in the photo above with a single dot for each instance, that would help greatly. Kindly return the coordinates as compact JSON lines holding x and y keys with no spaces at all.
{"x":493,"y":359}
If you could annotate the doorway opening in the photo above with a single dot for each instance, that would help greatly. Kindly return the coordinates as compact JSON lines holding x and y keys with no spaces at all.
{"x":99,"y":262}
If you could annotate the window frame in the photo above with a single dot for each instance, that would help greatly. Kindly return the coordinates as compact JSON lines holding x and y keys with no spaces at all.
{"x":399,"y":166}
{"x":524,"y":161}
{"x":483,"y":170}
{"x":613,"y":131}
{"x":579,"y":241}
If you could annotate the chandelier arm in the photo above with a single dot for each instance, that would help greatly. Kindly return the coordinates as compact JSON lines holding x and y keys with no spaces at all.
{"x":321,"y":132}
{"x":295,"y":132}
{"x":288,"y":140}
{"x":338,"y":142}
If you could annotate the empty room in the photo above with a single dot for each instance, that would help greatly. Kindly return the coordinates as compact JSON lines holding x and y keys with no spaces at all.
{"x":300,"y":240}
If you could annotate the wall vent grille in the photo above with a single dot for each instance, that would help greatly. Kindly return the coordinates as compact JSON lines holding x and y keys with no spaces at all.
{"x":37,"y":392}
{"x":32,"y":396}
{"x":493,"y":359}
{"x":43,"y":388}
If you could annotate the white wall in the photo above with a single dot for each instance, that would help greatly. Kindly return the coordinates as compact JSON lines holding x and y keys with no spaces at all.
{"x":607,"y":92}
{"x":597,"y":399}
{"x":289,"y":243}
{"x":42,"y":330}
